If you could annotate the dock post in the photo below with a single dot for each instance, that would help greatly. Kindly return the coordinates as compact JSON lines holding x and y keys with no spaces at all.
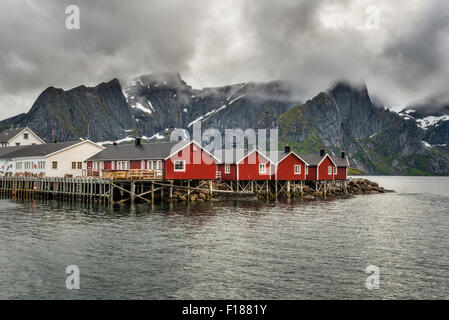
{"x":302,"y":191}
{"x":288,"y":189}
{"x":188,"y":191}
{"x":171,"y":191}
{"x":276,"y":189}
{"x":268,"y":197}
{"x":133,"y":191}
{"x":325,"y":189}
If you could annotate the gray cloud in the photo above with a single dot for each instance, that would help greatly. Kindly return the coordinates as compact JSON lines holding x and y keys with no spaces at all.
{"x":311,"y":43}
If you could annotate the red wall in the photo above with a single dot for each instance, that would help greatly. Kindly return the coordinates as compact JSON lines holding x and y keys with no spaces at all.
{"x":311,"y":175}
{"x":323,"y":169}
{"x":196,"y":165}
{"x":135,"y":164}
{"x":248,"y":169}
{"x":286,"y":169}
{"x":107,"y":165}
{"x":341,"y":173}
{"x":232,"y":175}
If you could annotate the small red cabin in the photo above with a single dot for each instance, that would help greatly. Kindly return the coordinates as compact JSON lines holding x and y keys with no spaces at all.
{"x":191,"y":162}
{"x":342,"y":167}
{"x":290,"y":166}
{"x":326,"y":169}
{"x":254,"y":166}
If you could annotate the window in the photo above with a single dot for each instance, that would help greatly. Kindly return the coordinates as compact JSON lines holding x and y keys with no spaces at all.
{"x":80,"y":165}
{"x":307,"y":170}
{"x":227,"y":168}
{"x":18,"y":165}
{"x":180,"y":165}
{"x":335,"y":170}
{"x":95,"y":165}
{"x":329,"y":170}
{"x":54,"y":165}
{"x":25,"y":136}
{"x":297,"y":169}
{"x":154,"y":165}
{"x":73,"y":165}
{"x":122,"y":165}
{"x":41,"y":165}
{"x":262,"y":168}
{"x":102,"y":165}
{"x":28,"y":165}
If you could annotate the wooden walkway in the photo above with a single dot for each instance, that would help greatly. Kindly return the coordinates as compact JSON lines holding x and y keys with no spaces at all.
{"x":110,"y":191}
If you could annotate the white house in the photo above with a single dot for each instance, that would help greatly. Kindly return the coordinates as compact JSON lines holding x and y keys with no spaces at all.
{"x":19,"y":137}
{"x":50,"y":160}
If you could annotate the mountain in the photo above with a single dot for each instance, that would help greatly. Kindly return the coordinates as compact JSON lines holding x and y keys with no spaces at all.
{"x":163,"y":102}
{"x":432,"y":116}
{"x":343,"y":118}
{"x":377,"y":140}
{"x":100,"y":113}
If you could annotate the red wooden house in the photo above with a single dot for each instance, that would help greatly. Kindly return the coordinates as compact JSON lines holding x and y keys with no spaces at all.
{"x":254,"y":166}
{"x":342,"y":167}
{"x":320,"y":167}
{"x":168,"y":160}
{"x":227,"y":168}
{"x":289,"y":165}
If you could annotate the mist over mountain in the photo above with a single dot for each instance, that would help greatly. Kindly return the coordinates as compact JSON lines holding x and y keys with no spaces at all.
{"x":342,"y":118}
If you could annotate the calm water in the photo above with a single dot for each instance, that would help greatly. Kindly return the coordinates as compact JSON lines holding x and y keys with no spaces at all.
{"x":316,"y":250}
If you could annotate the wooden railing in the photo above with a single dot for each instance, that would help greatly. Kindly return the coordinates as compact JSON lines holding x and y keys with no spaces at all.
{"x":133,"y":174}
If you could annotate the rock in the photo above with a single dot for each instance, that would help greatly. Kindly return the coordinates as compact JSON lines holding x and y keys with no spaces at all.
{"x":308,"y":197}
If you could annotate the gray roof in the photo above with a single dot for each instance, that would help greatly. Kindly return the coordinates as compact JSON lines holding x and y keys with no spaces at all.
{"x":230,"y":156}
{"x":7,"y":134}
{"x":276,"y":156}
{"x":4,"y":151}
{"x":146,"y":151}
{"x":311,"y":159}
{"x":38,"y":150}
{"x":341,"y":162}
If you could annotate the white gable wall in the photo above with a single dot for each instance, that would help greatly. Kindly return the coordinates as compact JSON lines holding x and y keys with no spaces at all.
{"x":22,"y":141}
{"x":64,"y":159}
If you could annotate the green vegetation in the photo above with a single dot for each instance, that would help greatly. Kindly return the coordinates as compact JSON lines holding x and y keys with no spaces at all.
{"x":355,"y":171}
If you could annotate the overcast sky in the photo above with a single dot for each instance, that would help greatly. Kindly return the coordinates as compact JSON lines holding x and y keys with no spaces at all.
{"x":211,"y":43}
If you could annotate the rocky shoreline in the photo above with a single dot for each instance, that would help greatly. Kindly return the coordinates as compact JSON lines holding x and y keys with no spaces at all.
{"x":336,"y":190}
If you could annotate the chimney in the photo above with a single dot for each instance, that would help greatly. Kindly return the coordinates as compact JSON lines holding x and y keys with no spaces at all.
{"x":287,"y":149}
{"x":137,"y":142}
{"x":343,"y":155}
{"x":322,"y":153}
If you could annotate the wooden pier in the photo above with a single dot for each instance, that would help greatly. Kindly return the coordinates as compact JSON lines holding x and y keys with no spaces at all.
{"x":151,"y":191}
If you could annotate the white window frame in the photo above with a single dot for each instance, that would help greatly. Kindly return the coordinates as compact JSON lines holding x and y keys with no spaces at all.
{"x":54,"y":165}
{"x":25,"y":136}
{"x":123,"y":165}
{"x":41,"y":165}
{"x":307,"y":169}
{"x":227,"y":168}
{"x":335,"y":170}
{"x":329,"y":170}
{"x":101,"y":165}
{"x":262,"y":168}
{"x":295,"y":167}
{"x":95,"y":165}
{"x":183,"y":165}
